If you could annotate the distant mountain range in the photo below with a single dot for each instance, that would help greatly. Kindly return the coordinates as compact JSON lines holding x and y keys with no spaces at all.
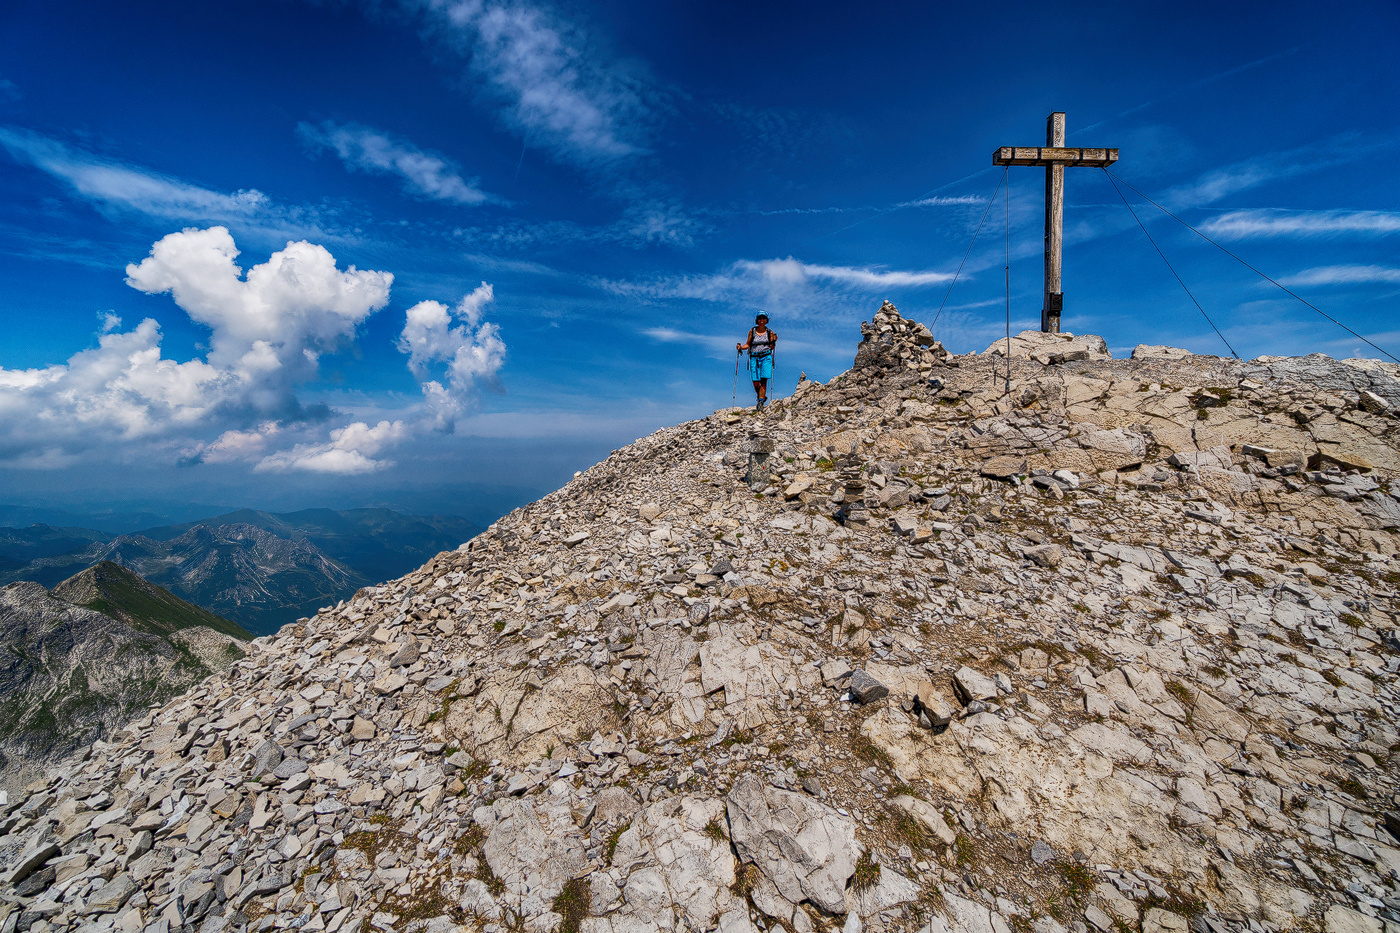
{"x":80,"y":661}
{"x":259,"y":569}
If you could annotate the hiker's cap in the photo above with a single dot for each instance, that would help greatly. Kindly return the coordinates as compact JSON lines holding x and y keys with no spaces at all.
{"x":761,"y":317}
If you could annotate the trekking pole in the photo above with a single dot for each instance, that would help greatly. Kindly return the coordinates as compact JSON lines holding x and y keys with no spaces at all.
{"x":734,"y":398}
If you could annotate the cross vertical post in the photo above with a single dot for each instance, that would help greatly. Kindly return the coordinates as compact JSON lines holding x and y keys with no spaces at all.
{"x":1054,"y":156}
{"x":1054,"y":228}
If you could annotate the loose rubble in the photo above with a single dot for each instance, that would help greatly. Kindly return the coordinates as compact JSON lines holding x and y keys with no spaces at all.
{"x":939,"y":645}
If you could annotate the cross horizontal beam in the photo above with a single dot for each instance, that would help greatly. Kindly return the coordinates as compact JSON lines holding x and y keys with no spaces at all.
{"x":1048,"y":155}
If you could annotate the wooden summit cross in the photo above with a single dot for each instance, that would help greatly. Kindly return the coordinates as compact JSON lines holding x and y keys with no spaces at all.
{"x":1054,"y":156}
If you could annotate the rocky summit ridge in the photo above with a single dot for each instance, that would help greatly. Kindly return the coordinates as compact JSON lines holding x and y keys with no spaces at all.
{"x":1039,"y":641}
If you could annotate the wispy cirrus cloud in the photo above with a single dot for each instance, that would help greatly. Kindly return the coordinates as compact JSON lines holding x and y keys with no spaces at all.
{"x":1248,"y":224}
{"x":778,"y":211}
{"x":865,"y":277}
{"x":722,"y":345}
{"x":123,"y":189}
{"x":1211,"y":186}
{"x":110,"y":183}
{"x":954,"y":201}
{"x":554,"y":81}
{"x":714,"y":343}
{"x":646,"y":222}
{"x":811,"y":302}
{"x":1193,"y":86}
{"x":423,"y":174}
{"x":551,"y":79}
{"x":769,"y":281}
{"x":1343,"y":275}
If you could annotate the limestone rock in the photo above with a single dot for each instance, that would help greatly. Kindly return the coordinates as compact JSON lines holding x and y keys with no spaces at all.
{"x":531,"y":848}
{"x":928,"y":817}
{"x":974,"y":685}
{"x":804,"y":847}
{"x":112,"y":895}
{"x":1052,"y":348}
{"x":1145,"y":351}
{"x":865,"y":688}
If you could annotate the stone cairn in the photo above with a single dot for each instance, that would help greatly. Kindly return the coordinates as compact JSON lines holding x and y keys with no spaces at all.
{"x":889,"y":342}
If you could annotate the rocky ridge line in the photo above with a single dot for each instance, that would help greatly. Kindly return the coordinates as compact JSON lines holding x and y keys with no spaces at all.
{"x":940,"y":645}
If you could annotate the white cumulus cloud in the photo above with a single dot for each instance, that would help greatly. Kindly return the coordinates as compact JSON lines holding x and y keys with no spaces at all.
{"x":122,"y":390}
{"x":365,"y":149}
{"x":351,"y":450}
{"x":452,"y":346}
{"x":269,"y":327}
{"x":267,"y":330}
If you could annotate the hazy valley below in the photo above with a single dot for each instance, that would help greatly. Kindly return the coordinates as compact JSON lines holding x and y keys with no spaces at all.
{"x":259,"y":569}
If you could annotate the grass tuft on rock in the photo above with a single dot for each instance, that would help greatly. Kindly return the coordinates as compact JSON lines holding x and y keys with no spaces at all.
{"x":487,"y":876}
{"x":745,"y":880}
{"x":1350,"y":785}
{"x":903,"y":829}
{"x":470,"y":840}
{"x":613,"y":837}
{"x":572,"y":905}
{"x":1079,"y":881}
{"x":867,"y":873}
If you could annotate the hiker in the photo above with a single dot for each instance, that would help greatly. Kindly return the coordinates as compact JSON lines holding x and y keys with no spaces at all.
{"x":761,"y":344}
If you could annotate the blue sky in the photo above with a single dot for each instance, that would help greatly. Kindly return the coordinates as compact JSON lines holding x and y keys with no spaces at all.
{"x":438,"y":254}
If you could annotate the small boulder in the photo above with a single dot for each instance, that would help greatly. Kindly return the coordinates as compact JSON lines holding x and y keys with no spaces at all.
{"x":407,"y":654}
{"x":974,"y":685}
{"x":361,"y":729}
{"x":1339,"y":919}
{"x":288,"y":767}
{"x":807,"y":849}
{"x":1145,"y":351}
{"x":112,"y":895}
{"x":1046,"y":555}
{"x":866,"y":689}
{"x":834,"y":670}
{"x":928,"y":816}
{"x":266,"y":758}
{"x":1157,"y":920}
{"x":931,"y":709}
{"x":1374,"y":403}
{"x":1003,"y":467}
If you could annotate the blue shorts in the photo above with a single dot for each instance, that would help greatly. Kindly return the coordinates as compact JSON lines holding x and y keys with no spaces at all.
{"x":761,"y":367}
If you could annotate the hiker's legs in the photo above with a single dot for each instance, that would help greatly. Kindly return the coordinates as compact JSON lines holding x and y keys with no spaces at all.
{"x":760,"y":368}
